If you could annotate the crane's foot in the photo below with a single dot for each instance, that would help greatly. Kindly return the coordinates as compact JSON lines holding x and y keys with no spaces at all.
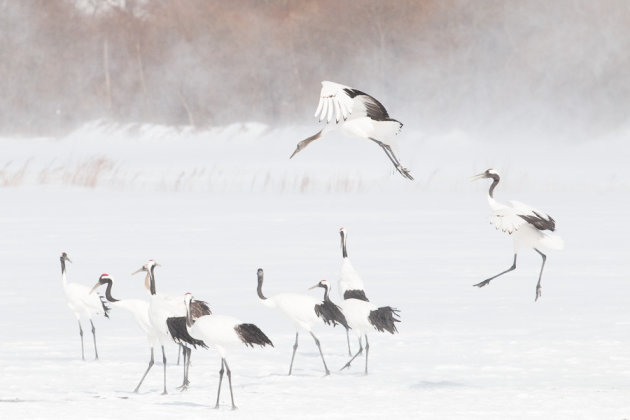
{"x":538,"y":292}
{"x":184,"y":386}
{"x":404,"y":172}
{"x":483,"y":283}
{"x":347,"y":365}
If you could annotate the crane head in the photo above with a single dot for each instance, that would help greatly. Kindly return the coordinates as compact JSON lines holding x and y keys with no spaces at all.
{"x":103,"y":279}
{"x":489,"y":173}
{"x":322,"y":283}
{"x":64,"y":257}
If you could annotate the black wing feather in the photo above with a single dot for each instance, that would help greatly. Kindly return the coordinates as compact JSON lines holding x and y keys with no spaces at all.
{"x":250,"y":334}
{"x":384,"y":318}
{"x":539,"y":221}
{"x":329,"y":312}
{"x":358,"y":294}
{"x":374,"y":109}
{"x":179,"y":332}
{"x":106,"y":308}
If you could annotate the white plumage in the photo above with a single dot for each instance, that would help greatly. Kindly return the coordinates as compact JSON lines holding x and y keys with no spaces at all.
{"x":162,"y":309}
{"x":301,"y":310}
{"x":356,"y":114}
{"x":139,"y":309}
{"x":223,"y":333}
{"x":82,"y":303}
{"x":528,"y":227}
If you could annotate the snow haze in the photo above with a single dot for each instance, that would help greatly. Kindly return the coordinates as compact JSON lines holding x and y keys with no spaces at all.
{"x":132,"y":130}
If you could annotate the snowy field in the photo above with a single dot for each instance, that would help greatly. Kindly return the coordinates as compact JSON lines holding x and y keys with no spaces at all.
{"x":212,"y":207}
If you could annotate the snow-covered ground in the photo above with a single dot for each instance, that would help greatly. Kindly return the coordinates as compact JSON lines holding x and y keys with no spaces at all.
{"x":240,"y":204}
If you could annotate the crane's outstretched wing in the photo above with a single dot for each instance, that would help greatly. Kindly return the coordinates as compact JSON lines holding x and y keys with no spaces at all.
{"x":510,"y":218}
{"x":346,"y":102}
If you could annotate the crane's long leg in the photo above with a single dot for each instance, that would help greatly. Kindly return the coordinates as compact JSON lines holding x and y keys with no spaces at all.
{"x":367,"y":350}
{"x":295,"y":346}
{"x":81,"y":334}
{"x":392,"y":157}
{"x":538,"y":287}
{"x":229,"y":375}
{"x":485,"y":282}
{"x":164,"y":362}
{"x":187,"y":351}
{"x":179,"y":352}
{"x":94,"y":335}
{"x":145,"y":373}
{"x":320,"y":353}
{"x":348,"y":338}
{"x":220,"y":381}
{"x":347,"y":365}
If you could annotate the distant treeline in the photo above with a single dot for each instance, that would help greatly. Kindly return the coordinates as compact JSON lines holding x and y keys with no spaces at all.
{"x":213,"y":62}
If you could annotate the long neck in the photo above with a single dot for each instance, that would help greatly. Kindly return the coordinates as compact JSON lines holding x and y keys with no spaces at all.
{"x":259,"y":289}
{"x":189,"y":319}
{"x":495,"y":182}
{"x":343,"y":245}
{"x":326,"y":297}
{"x":147,"y":281}
{"x":108,"y":291}
{"x":152,"y":280}
{"x":63,"y":272}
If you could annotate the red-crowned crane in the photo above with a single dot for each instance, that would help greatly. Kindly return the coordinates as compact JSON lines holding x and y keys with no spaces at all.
{"x":527,"y":226}
{"x":304,"y":311}
{"x":82,"y":303}
{"x":223,"y":333}
{"x":356,"y":114}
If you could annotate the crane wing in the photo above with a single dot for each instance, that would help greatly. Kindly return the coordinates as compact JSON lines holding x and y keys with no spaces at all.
{"x":506,"y":219}
{"x":540,"y":220}
{"x":510,"y":218}
{"x":333,"y":99}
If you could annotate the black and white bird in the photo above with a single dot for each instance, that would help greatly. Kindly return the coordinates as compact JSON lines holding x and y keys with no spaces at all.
{"x":350,"y":282}
{"x":82,"y":303}
{"x":168,"y":317}
{"x":356,"y":114}
{"x":527,"y":226}
{"x":363,"y":316}
{"x":224,"y":333}
{"x":138,"y":308}
{"x":304,"y":311}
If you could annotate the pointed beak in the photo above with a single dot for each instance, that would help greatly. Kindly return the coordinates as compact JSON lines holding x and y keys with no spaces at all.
{"x":138,"y":270}
{"x":311,"y":288}
{"x":68,"y":259}
{"x":297,"y":149}
{"x":98,"y":283}
{"x":478,"y":176}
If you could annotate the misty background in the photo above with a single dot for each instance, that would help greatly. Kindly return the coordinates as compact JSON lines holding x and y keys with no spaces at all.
{"x":495,"y":68}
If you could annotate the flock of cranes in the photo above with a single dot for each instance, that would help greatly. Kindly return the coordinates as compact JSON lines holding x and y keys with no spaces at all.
{"x":191,"y":324}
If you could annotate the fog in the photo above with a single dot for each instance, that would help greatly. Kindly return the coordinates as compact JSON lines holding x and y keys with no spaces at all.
{"x":505,"y":71}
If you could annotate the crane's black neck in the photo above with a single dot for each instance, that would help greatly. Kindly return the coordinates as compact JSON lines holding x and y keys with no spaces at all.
{"x":189,"y":319}
{"x":152,"y":278}
{"x":108,"y":291}
{"x":326,"y":292}
{"x":495,"y":182}
{"x":343,"y":244}
{"x":63,"y":266}
{"x":259,"y":289}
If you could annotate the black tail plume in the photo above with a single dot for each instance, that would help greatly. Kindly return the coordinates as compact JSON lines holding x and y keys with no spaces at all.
{"x":331,"y":313}
{"x":383,"y":319}
{"x":250,"y":334}
{"x":179,"y":332}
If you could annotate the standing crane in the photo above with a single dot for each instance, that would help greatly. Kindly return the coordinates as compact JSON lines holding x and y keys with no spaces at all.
{"x":166,"y":314}
{"x":224,"y":333}
{"x":356,"y":114}
{"x":527,"y":226}
{"x":350,"y":283}
{"x":139,"y":309}
{"x":82,"y":303}
{"x":304,"y":311}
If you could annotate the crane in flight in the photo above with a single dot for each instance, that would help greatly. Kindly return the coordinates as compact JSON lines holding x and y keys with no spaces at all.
{"x":356,"y":114}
